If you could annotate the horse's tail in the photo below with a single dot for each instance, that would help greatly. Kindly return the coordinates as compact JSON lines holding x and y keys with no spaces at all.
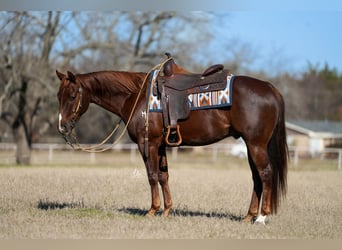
{"x":278,"y":155}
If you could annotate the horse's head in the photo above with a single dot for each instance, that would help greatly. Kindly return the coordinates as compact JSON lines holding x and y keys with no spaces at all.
{"x":72,"y":102}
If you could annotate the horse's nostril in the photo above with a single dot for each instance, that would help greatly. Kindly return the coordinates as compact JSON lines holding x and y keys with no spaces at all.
{"x":62,"y":129}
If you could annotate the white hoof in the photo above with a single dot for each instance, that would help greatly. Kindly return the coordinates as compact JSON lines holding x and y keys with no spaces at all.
{"x":261,"y":219}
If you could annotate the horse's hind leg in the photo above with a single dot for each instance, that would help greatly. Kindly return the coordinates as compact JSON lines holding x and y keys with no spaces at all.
{"x":256,"y":193}
{"x":262,"y":186}
{"x":163,"y":177}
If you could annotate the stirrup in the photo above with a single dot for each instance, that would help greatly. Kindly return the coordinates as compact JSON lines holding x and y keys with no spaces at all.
{"x":168,"y":142}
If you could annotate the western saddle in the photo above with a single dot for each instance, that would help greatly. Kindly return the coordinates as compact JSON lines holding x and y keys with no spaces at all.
{"x":173,"y":89}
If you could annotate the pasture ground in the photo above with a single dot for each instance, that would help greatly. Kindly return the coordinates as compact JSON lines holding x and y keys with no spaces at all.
{"x":79,"y":200}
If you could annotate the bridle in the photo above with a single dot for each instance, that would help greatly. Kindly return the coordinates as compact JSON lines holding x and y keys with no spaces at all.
{"x":79,"y":103}
{"x":69,"y":138}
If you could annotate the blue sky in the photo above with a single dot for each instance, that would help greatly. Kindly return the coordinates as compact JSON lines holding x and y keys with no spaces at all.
{"x":289,"y":39}
{"x":288,"y":33}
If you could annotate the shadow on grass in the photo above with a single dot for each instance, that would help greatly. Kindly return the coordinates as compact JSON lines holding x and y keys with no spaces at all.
{"x":184,"y":213}
{"x":51,"y":205}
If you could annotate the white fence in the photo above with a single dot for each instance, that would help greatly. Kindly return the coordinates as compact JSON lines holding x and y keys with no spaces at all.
{"x":7,"y":152}
{"x":327,"y":152}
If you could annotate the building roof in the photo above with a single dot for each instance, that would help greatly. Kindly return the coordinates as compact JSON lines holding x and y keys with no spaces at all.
{"x":316,"y":128}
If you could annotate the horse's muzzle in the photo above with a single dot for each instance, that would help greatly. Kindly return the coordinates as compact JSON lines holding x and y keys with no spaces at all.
{"x":64,"y":128}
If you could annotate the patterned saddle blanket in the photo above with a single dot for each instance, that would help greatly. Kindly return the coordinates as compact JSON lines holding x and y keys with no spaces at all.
{"x":198,"y":101}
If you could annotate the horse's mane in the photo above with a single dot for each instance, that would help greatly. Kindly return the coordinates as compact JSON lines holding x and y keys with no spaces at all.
{"x":132,"y":81}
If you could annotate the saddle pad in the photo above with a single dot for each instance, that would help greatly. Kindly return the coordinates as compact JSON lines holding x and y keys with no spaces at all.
{"x":215,"y":99}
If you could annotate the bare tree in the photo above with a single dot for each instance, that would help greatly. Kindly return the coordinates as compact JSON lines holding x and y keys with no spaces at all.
{"x":27,"y":42}
{"x":131,"y":40}
{"x":34,"y":44}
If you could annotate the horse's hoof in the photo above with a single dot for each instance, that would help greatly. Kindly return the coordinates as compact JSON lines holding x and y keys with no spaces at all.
{"x":261,"y":219}
{"x":151,"y":213}
{"x":248,"y":218}
{"x":166,"y":212}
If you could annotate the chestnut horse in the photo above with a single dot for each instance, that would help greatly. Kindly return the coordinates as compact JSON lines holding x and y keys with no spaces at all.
{"x":256,"y":115}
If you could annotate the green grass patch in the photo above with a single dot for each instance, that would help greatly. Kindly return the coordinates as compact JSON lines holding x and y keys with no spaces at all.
{"x":90,"y":213}
{"x":76,"y":209}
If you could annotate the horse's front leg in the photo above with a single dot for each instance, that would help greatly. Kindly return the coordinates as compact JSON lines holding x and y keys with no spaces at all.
{"x":163,"y":178}
{"x":152,"y":169}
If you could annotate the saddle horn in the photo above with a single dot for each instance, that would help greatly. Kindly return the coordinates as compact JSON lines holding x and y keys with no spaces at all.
{"x":168,"y":54}
{"x":168,"y":66}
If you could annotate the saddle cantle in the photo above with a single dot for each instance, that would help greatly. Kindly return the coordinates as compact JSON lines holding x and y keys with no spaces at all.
{"x":173,"y":89}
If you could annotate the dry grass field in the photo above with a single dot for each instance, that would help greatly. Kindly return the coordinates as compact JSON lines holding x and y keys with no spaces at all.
{"x":79,"y":200}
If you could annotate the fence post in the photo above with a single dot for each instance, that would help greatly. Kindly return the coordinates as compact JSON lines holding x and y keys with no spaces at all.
{"x":92,"y":157}
{"x":132,"y":154}
{"x":174,"y":153}
{"x":215,"y":152}
{"x":339,"y":160}
{"x":50,"y":153}
{"x":295,"y":157}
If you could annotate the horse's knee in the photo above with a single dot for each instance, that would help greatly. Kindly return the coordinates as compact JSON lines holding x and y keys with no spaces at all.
{"x":266,"y":174}
{"x":261,"y":162}
{"x":163,"y":178}
{"x":153,"y":178}
{"x":259,"y":156}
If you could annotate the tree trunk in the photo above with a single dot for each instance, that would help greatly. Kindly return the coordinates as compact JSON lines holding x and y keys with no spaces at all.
{"x":21,"y":133}
{"x":23,"y":152}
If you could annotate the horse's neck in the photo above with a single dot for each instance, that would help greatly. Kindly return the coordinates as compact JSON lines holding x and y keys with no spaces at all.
{"x":109,"y":91}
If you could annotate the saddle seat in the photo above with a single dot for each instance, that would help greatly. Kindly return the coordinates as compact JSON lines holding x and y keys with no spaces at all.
{"x":173,"y":89}
{"x":197,"y":83}
{"x":185,"y":81}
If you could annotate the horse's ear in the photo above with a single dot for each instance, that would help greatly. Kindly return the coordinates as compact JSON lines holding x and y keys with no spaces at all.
{"x":60,"y":75}
{"x":71,"y":77}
